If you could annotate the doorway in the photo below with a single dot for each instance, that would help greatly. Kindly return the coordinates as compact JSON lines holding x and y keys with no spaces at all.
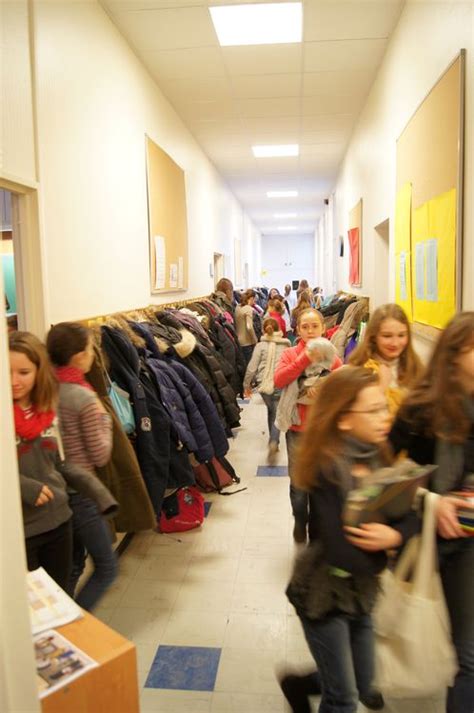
{"x":22,"y":268}
{"x":382,"y":263}
{"x":218,"y":267}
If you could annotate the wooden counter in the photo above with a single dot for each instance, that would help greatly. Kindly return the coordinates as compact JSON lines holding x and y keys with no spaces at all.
{"x":112,"y":687}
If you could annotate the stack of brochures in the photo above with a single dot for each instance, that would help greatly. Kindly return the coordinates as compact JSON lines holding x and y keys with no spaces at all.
{"x":466,"y":517}
{"x":387,"y":494}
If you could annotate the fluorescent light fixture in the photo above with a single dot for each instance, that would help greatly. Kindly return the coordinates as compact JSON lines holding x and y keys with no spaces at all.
{"x":258,"y":24}
{"x":282,"y":194}
{"x":285,"y":215}
{"x":287,"y":227}
{"x":276,"y":150}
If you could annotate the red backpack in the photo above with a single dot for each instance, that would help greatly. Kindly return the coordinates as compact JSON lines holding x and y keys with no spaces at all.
{"x":216,"y":474}
{"x":183,"y":510}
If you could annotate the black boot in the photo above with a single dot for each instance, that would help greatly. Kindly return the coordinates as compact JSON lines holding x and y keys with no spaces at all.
{"x":297,"y":690}
{"x":373,"y":700}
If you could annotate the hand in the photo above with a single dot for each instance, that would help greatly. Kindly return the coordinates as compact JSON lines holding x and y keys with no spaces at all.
{"x":45,"y":496}
{"x":373,"y":537}
{"x":447,"y":517}
{"x":312,"y":392}
{"x":247,"y":393}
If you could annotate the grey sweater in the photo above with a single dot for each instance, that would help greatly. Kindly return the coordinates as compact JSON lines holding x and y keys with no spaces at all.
{"x":40,"y":464}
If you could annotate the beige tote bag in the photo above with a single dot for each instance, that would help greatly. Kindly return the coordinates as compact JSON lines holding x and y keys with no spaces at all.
{"x":415,"y":657}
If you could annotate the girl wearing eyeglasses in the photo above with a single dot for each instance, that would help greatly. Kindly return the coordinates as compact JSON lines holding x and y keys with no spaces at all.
{"x":436,"y":425}
{"x":387,"y":349}
{"x":334,"y":583}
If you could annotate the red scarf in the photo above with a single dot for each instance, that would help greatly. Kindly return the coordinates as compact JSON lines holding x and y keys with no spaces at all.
{"x":30,"y":423}
{"x":71,"y":375}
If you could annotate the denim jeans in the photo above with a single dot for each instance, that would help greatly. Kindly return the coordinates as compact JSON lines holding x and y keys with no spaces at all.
{"x":271,"y":402}
{"x":457,"y":573}
{"x":91,"y":536}
{"x":52,"y":550}
{"x":247,"y":352}
{"x":299,"y":498}
{"x":343,"y":648}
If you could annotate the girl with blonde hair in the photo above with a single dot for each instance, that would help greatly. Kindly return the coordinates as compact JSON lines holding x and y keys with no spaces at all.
{"x":387,"y":349}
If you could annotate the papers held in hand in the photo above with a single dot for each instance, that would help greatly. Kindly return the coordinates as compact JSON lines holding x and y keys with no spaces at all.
{"x":386,"y":495}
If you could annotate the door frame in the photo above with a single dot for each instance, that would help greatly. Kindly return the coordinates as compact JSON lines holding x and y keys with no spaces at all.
{"x":28,"y":256}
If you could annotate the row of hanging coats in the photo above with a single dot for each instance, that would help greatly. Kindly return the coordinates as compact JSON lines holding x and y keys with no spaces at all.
{"x":183,"y":370}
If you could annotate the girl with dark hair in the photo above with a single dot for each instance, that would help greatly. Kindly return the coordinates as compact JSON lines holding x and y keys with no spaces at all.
{"x":436,"y":425}
{"x":244,"y":324}
{"x":387,"y":349}
{"x":86,"y":429}
{"x":334,"y":584}
{"x":44,"y":473}
{"x":260,"y":371}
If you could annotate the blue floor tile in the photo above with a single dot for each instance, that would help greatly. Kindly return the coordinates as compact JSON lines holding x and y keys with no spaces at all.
{"x":184,"y":668}
{"x":272,"y":471}
{"x":207,"y":507}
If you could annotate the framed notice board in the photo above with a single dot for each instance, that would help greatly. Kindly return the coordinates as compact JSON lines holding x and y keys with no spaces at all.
{"x":429,"y":205}
{"x":167,"y":221}
{"x":354,"y":235}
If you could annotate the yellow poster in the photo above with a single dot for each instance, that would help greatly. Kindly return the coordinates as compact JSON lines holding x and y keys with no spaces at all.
{"x":403,"y":290}
{"x":433,"y":263}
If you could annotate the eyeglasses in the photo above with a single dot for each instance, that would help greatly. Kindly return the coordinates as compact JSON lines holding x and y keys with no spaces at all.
{"x":382,"y":411}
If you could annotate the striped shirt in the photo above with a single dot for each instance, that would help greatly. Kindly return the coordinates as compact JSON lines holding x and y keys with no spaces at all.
{"x":86,"y":431}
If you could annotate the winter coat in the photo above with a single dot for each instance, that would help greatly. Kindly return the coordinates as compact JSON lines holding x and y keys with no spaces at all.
{"x":258,"y":362}
{"x":122,"y":472}
{"x":160,"y":464}
{"x":178,"y":402}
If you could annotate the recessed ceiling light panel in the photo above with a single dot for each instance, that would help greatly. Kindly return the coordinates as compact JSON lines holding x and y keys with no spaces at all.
{"x":285,"y":215}
{"x":287,"y":227}
{"x":258,"y":24}
{"x":279,"y":150}
{"x":282,"y":194}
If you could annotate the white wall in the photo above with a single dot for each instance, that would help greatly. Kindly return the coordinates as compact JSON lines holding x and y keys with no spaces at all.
{"x":94,"y":104}
{"x":286,"y":258}
{"x":428,"y":37}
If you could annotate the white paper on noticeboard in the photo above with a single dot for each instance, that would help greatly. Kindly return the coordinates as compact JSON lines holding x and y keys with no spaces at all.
{"x":173,"y":274}
{"x":160,"y":262}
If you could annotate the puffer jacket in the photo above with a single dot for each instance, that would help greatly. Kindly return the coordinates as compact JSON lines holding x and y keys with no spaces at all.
{"x":178,"y":401}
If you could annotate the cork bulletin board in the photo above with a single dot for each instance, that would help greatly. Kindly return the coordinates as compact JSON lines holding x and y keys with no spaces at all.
{"x":429,"y":207}
{"x":167,"y":221}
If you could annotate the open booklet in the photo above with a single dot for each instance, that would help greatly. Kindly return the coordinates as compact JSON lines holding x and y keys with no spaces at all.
{"x":386,"y":495}
{"x":49,"y":605}
{"x":58,"y":662}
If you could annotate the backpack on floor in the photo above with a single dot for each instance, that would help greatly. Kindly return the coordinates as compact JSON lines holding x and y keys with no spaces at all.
{"x":216,"y":474}
{"x":183,"y":510}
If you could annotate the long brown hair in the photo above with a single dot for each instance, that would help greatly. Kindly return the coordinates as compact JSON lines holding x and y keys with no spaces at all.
{"x":322,"y":439}
{"x":270,"y":326}
{"x":438,"y":397}
{"x":410,"y":368}
{"x":303,"y":304}
{"x":246,"y":296}
{"x":45,"y":391}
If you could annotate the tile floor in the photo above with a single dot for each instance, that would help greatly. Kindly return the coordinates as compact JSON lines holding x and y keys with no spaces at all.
{"x":207,"y":610}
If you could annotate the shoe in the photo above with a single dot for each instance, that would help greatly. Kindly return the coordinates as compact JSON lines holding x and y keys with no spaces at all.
{"x":299,"y":533}
{"x":272,"y":452}
{"x":373,"y":701}
{"x":297,"y":689}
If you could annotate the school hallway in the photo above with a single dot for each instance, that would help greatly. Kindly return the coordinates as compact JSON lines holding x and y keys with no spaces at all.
{"x":207,"y":610}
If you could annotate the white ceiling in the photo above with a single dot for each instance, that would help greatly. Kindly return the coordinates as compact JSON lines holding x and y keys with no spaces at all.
{"x":234,"y":97}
